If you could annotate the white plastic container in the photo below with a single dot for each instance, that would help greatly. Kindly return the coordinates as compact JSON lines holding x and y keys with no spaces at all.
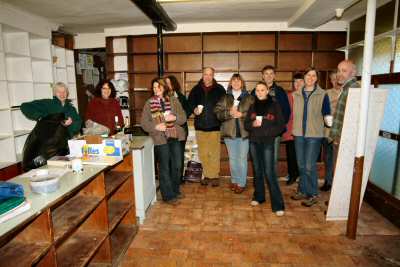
{"x":44,"y":184}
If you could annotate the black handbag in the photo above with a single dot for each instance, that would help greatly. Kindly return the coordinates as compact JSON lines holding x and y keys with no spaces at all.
{"x":193,"y":172}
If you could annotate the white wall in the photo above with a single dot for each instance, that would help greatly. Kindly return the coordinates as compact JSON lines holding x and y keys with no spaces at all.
{"x":26,"y":21}
{"x":90,"y":40}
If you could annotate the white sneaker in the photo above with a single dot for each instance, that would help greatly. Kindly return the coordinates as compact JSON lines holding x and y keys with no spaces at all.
{"x":254,"y":203}
{"x":280,"y":213}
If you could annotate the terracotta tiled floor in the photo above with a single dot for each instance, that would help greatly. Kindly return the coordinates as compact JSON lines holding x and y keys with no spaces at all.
{"x":215,"y":227}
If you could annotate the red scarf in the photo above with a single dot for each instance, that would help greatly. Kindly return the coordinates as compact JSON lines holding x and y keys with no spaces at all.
{"x":157,"y":113}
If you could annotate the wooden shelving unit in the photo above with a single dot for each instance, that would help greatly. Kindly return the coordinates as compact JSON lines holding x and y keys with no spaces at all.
{"x":245,"y":52}
{"x":92,"y":225}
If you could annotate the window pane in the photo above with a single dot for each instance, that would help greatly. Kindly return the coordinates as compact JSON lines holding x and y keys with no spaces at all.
{"x":382,"y":55}
{"x":356,"y":55}
{"x":391,"y":117}
{"x":357,"y":30}
{"x":383,"y":167}
{"x":383,"y":171}
{"x":385,"y":18}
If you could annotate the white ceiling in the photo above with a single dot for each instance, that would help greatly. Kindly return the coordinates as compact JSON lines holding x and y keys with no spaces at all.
{"x":78,"y":16}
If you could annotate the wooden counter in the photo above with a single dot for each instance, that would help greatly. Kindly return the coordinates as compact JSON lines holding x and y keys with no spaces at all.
{"x":89,"y":219}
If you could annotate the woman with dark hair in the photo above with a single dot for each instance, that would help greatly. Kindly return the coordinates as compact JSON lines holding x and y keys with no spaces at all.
{"x":264,"y":122}
{"x":104,"y":108}
{"x":176,"y":91}
{"x":162,"y":118}
{"x":231,"y":110}
{"x":310,"y":106}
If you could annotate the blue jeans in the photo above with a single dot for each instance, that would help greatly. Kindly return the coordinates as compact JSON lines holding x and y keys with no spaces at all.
{"x":307,"y":152}
{"x":169,"y":168}
{"x":263,"y":161}
{"x":238,"y":148}
{"x":328,"y":160}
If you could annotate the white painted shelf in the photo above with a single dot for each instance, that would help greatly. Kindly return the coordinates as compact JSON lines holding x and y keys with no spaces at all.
{"x":27,"y":72}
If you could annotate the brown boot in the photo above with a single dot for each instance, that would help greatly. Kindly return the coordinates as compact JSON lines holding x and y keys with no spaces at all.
{"x":215,"y":182}
{"x":204,"y":181}
{"x":239,"y":189}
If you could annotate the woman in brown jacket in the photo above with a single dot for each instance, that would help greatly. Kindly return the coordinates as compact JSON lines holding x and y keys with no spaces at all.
{"x":162,"y":118}
{"x":231,"y":111}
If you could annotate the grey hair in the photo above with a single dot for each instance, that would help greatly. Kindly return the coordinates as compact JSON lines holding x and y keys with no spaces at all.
{"x":60,"y":85}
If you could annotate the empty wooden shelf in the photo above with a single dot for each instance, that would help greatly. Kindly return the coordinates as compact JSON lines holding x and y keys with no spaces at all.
{"x":113,"y":179}
{"x":79,"y":223}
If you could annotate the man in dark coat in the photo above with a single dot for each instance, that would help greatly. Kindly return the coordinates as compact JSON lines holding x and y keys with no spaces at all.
{"x":203,"y":98}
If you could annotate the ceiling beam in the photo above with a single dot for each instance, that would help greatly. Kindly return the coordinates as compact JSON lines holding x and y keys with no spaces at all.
{"x":156,"y":14}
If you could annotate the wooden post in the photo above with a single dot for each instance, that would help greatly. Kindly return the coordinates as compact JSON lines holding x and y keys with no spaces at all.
{"x":355,"y":197}
{"x":362,"y":123}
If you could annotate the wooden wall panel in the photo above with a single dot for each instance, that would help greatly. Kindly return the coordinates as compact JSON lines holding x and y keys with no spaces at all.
{"x":327,"y":60}
{"x":182,"y":43}
{"x":257,"y":42}
{"x":221,"y":61}
{"x":143,"y":80}
{"x":286,"y":85}
{"x":145,"y":63}
{"x":251,"y":85}
{"x":283,"y":76}
{"x":146,"y":44}
{"x":183,"y":62}
{"x":295,"y":41}
{"x":296,"y":61}
{"x":251,"y":76}
{"x":141,"y":98}
{"x":330,"y":40}
{"x":221,"y":42}
{"x":255,"y":61}
{"x":193,"y":76}
{"x":223,"y":76}
{"x":189,"y":86}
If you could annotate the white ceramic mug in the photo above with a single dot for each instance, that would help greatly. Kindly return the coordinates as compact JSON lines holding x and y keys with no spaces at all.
{"x":236,"y":103}
{"x":77,"y":166}
{"x":328,"y":120}
{"x":259,"y":118}
{"x":200,"y":108}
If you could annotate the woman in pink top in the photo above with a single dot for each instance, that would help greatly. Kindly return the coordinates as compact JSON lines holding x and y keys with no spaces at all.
{"x":287,"y":137}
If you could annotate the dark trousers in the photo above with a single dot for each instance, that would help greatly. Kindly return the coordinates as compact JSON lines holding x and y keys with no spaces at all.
{"x":328,"y":160}
{"x":263,"y":162}
{"x":291,"y":159}
{"x":169,"y":168}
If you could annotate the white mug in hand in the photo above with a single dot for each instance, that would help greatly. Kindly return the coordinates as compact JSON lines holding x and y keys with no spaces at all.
{"x":328,"y":120}
{"x":236,"y":103}
{"x":259,"y":118}
{"x":167,"y":112}
{"x":200,"y":108}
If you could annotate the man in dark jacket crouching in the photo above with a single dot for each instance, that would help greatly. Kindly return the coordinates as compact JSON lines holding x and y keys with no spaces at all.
{"x":203,"y":98}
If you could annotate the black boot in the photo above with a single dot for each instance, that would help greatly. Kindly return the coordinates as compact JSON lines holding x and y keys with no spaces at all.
{"x":326,"y":187}
{"x":291,"y":181}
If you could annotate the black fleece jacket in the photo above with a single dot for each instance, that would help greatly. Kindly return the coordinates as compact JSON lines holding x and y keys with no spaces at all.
{"x":207,"y":120}
{"x":273,"y":123}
